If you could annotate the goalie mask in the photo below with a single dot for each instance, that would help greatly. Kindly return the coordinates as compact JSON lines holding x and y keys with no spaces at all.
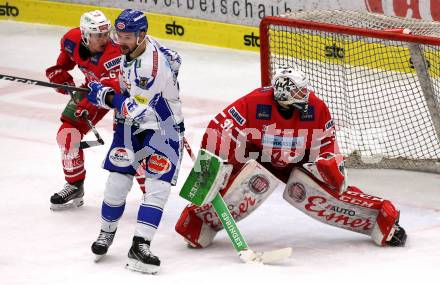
{"x":291,"y":88}
{"x":93,"y":22}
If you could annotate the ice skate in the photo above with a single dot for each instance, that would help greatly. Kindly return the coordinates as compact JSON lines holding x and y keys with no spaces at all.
{"x":70,"y":197}
{"x":101,"y":245}
{"x":141,"y":259}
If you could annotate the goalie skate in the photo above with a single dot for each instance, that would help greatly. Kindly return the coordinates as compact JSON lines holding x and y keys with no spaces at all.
{"x":397,"y":236}
{"x":70,"y":197}
{"x":141,"y":259}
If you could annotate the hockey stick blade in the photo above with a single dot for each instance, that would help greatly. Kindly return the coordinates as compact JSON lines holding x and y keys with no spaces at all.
{"x":87,"y":144}
{"x":265,"y":257}
{"x":246,"y":254}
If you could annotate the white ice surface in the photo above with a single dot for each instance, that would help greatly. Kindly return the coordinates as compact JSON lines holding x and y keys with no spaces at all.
{"x":38,"y":246}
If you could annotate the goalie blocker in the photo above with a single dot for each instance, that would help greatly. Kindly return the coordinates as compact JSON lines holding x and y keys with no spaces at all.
{"x":308,"y":190}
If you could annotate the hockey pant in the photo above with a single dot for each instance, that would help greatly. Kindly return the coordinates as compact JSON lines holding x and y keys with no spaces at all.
{"x":69,"y":137}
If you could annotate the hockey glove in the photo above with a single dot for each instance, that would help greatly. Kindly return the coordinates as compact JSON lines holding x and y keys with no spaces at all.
{"x":97,"y":94}
{"x":57,"y":75}
{"x":86,"y":109}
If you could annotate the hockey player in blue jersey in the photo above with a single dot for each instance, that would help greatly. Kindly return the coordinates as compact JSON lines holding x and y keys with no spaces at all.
{"x":149,"y":124}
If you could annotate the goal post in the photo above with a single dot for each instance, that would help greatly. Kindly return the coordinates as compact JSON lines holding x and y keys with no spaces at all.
{"x":381,"y":84}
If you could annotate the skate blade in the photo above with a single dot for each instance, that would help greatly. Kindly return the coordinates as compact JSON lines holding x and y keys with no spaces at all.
{"x":74,"y":203}
{"x":98,"y":257}
{"x":138,"y":266}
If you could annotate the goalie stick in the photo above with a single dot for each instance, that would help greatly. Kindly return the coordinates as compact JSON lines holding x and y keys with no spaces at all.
{"x":245,"y":253}
{"x":70,"y":89}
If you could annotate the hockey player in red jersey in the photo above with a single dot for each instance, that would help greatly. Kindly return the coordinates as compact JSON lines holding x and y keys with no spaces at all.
{"x":285,"y":133}
{"x":90,"y":48}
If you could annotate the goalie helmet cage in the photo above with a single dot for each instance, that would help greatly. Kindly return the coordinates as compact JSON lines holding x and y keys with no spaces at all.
{"x":382,"y":85}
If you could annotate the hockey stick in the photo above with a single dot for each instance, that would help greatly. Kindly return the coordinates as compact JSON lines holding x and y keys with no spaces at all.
{"x":245,"y":253}
{"x":68,"y":88}
{"x":41,"y":83}
{"x":85,"y":117}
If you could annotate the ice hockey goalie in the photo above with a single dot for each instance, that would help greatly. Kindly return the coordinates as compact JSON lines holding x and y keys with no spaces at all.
{"x":285,"y":133}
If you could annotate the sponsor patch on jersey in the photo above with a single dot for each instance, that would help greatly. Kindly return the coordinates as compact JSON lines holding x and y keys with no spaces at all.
{"x":237,"y":116}
{"x":112,"y":63}
{"x":141,"y":99}
{"x":297,"y":192}
{"x":258,"y":184}
{"x":121,"y":157}
{"x":264,"y":112}
{"x":155,"y":64}
{"x":69,"y":46}
{"x":158,"y":164}
{"x":282,"y":142}
{"x":309,"y":115}
{"x":144,"y":82}
{"x":330,"y":124}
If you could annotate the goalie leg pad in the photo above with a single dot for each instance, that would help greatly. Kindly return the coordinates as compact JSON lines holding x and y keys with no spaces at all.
{"x":195,"y":231}
{"x":353,"y":210}
{"x":243,"y":194}
{"x":386,"y":224}
{"x":140,"y":175}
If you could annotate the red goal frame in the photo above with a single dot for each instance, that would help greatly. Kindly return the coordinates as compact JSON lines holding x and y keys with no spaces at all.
{"x":309,"y":25}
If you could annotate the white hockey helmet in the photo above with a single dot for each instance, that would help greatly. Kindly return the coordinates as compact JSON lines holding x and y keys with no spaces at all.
{"x":291,"y":88}
{"x":93,"y":22}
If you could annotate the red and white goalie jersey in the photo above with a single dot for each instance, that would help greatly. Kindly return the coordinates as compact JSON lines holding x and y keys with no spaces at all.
{"x":256,"y":127}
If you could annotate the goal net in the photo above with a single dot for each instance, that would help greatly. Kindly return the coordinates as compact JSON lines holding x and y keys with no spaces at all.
{"x":381,"y":84}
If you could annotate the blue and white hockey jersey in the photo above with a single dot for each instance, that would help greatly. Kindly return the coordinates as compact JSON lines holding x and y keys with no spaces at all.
{"x":151,"y":88}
